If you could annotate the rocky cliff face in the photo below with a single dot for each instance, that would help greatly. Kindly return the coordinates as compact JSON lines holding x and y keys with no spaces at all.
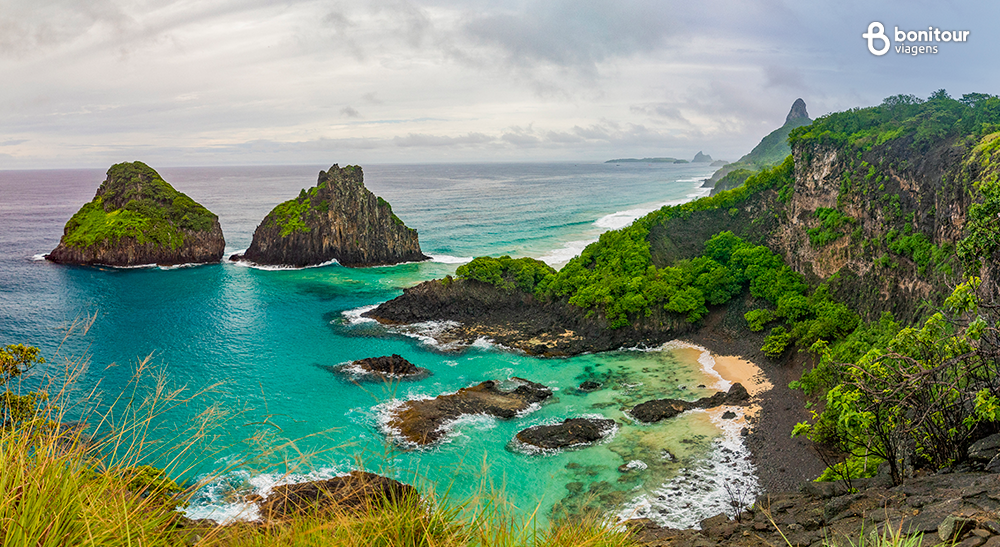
{"x":884,"y":222}
{"x":137,"y":218}
{"x":338,"y":219}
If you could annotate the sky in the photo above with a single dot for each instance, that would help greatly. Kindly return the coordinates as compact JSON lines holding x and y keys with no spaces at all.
{"x":241,"y":82}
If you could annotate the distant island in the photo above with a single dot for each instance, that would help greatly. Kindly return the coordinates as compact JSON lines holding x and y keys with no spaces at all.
{"x":698,"y":158}
{"x":646,"y":160}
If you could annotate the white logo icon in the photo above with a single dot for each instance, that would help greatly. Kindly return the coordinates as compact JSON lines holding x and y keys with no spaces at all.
{"x":876,"y":30}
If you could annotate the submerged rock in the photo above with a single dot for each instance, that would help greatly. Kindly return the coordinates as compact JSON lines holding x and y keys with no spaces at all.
{"x":338,"y":219}
{"x":420,"y":421}
{"x":359,"y":491}
{"x":384,"y":367}
{"x":137,"y":218}
{"x":590,"y":385}
{"x":661,"y":409}
{"x":572,"y":432}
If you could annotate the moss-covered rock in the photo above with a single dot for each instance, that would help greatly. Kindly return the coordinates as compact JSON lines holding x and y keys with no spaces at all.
{"x":138,"y":218}
{"x":338,"y":219}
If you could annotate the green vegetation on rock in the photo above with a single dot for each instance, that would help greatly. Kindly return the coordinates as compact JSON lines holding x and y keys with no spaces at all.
{"x":829,"y":230}
{"x":290,"y":216}
{"x":506,"y":272}
{"x":937,"y":118}
{"x":136,"y":202}
{"x":615,"y":276}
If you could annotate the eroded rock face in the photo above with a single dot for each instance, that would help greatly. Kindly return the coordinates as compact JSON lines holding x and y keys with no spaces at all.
{"x":572,"y":432}
{"x":338,"y":219}
{"x":358,"y":491}
{"x":662,"y":409}
{"x":420,"y":422}
{"x":137,"y":218}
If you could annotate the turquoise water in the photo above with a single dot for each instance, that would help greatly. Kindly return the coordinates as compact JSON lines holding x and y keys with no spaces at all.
{"x":264,"y":340}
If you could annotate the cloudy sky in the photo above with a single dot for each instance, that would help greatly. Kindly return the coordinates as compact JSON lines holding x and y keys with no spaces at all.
{"x":86,"y":83}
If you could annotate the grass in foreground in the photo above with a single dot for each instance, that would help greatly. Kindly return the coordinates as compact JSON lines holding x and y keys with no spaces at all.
{"x":62,"y":486}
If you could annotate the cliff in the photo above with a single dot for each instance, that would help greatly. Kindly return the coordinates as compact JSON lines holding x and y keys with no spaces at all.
{"x":338,"y":219}
{"x":875,"y":204}
{"x":138,"y":218}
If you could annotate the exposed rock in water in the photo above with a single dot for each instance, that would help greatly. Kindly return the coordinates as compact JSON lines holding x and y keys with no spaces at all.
{"x":517,"y":319}
{"x":589,"y":386}
{"x":359,"y":491}
{"x":383,"y":368}
{"x":572,"y":432}
{"x":137,"y":218}
{"x":701,"y":158}
{"x":338,"y":219}
{"x":661,"y":409}
{"x":421,"y":421}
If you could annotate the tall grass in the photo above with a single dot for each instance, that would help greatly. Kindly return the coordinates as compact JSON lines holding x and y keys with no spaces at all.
{"x":63,"y":485}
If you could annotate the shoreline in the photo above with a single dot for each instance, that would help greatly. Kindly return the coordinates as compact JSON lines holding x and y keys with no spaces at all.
{"x":783,"y":463}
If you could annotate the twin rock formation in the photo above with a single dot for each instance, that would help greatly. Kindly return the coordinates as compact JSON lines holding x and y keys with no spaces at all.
{"x":137,"y":218}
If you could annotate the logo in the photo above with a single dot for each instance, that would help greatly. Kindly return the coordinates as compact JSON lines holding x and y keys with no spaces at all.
{"x":910,"y":42}
{"x":879,"y":34}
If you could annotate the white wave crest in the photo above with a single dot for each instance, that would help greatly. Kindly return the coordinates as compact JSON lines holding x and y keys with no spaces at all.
{"x":354,"y":316}
{"x":446,"y":259}
{"x":223,"y":499}
{"x":699,"y":491}
{"x":269,"y":268}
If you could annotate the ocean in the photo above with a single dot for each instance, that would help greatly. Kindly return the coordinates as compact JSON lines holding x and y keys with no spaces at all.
{"x":254,"y":347}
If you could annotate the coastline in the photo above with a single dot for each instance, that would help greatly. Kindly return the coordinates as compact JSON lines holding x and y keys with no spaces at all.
{"x":783,"y":463}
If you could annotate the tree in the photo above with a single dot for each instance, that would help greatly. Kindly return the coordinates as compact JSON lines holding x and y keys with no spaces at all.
{"x":15,"y":360}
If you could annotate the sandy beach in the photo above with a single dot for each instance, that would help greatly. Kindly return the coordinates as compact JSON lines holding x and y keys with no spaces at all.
{"x":782,"y":462}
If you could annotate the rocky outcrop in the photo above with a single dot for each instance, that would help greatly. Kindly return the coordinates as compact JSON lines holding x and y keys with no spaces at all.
{"x":770,"y":151}
{"x":421,"y":421}
{"x":797,"y":112}
{"x":358,"y":491}
{"x":518,"y":320}
{"x":950,"y":509}
{"x":338,"y":219}
{"x":386,"y":367}
{"x":702,"y":158}
{"x":662,"y":409}
{"x":571,"y":432}
{"x":137,"y":218}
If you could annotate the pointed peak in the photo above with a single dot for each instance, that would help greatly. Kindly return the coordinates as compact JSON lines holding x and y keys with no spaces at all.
{"x":798,"y":111}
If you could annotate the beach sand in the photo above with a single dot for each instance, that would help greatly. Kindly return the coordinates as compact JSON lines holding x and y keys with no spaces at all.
{"x":783,"y":462}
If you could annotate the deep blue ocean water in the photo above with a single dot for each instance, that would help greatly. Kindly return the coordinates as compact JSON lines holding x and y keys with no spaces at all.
{"x":264,"y":340}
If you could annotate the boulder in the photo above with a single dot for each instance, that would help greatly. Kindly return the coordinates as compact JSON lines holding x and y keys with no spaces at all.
{"x":358,"y":491}
{"x":571,"y":432}
{"x":420,"y":421}
{"x":385,"y":367}
{"x":662,"y":409}
{"x":985,"y":449}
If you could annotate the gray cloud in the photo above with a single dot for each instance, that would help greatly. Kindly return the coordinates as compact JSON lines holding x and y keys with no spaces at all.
{"x":244,"y":80}
{"x":420,"y":140}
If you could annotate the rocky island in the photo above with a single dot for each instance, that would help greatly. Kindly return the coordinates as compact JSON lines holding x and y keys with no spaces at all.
{"x":383,"y":368}
{"x":138,"y":218}
{"x":421,"y":422}
{"x":338,"y":219}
